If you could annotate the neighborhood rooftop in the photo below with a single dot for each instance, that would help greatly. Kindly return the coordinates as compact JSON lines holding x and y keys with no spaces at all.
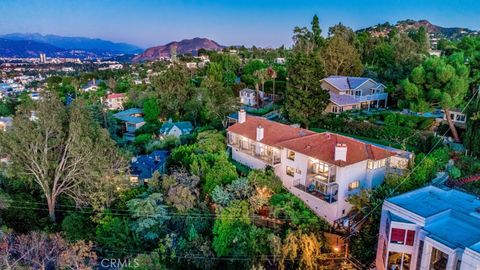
{"x":316,"y":145}
{"x":454,"y":217}
{"x":346,"y":82}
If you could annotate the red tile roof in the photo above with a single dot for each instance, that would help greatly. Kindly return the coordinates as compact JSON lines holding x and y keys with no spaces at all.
{"x":273,"y":133}
{"x":116,"y":95}
{"x":317,"y":145}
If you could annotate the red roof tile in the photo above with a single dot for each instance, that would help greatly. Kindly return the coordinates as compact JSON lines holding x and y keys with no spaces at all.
{"x":116,"y":95}
{"x":317,"y":145}
{"x":274,"y":132}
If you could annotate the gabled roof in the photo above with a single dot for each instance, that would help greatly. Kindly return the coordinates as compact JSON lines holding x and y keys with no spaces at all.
{"x":131,"y":119}
{"x":274,"y":132}
{"x":128,"y":112}
{"x":185,"y":127}
{"x":344,"y":83}
{"x":317,"y":145}
{"x":144,"y":166}
{"x":115,"y":95}
{"x":322,"y":147}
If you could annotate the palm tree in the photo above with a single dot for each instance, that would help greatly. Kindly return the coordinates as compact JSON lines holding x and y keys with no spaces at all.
{"x":272,"y":74}
{"x":261,"y":75}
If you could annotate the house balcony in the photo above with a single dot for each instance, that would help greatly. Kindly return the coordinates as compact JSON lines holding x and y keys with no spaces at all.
{"x":325,"y":192}
{"x":378,"y":96}
{"x":265,"y":153}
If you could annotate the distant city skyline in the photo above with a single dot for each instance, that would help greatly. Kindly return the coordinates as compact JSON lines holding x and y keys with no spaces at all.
{"x":262,"y":23}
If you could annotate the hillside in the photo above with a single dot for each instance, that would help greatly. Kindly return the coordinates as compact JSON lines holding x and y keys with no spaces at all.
{"x":182,"y":47}
{"x":406,"y":25}
{"x":26,"y":48}
{"x":76,"y":43}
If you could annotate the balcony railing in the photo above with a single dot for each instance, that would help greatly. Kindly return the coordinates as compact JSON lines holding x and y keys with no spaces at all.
{"x":264,"y":153}
{"x":378,"y":96}
{"x":329,"y":193}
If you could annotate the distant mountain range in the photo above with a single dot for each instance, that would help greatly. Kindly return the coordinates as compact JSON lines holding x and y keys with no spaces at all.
{"x":406,"y":25}
{"x":25,"y":48}
{"x":180,"y":47}
{"x":31,"y":45}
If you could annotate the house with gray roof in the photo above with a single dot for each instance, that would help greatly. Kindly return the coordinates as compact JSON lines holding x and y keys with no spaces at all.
{"x":430,"y":228}
{"x":143,"y":167}
{"x":349,"y":93}
{"x":176,"y":128}
{"x":133,"y":119}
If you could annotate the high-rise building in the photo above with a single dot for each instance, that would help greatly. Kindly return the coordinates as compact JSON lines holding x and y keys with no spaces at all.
{"x":43,"y":58}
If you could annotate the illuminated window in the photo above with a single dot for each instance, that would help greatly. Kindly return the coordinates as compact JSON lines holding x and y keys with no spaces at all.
{"x":291,"y":155}
{"x":353,"y":185}
{"x":397,"y":236}
{"x":290,"y":171}
{"x":410,"y":238}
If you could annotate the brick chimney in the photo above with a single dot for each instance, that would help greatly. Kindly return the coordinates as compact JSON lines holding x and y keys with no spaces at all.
{"x":341,"y":152}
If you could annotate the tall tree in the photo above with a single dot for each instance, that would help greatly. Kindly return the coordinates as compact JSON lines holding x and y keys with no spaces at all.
{"x":472,"y":133}
{"x":305,"y":99}
{"x":341,"y":58}
{"x":61,"y":149}
{"x":438,"y":82}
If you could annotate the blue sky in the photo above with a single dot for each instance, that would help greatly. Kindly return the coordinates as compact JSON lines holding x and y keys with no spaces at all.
{"x":263,"y":23}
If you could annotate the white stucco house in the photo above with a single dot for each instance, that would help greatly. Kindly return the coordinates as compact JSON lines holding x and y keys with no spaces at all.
{"x":322,"y":169}
{"x":430,"y":228}
{"x":349,"y":93}
{"x":115,"y":101}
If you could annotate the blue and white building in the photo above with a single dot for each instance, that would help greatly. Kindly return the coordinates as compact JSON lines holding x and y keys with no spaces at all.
{"x":430,"y":228}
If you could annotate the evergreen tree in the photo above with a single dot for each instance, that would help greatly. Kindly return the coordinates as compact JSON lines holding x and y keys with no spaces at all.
{"x":472,"y":133}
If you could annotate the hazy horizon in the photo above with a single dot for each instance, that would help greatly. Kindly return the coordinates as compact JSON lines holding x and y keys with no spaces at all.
{"x":260,"y":23}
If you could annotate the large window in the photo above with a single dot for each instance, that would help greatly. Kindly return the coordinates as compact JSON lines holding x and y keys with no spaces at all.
{"x":438,"y":260}
{"x":402,"y":237}
{"x":376,"y":164}
{"x":291,"y":155}
{"x":397,"y":236}
{"x":320,"y":168}
{"x":398,"y":261}
{"x":353,"y":185}
{"x":290,"y":171}
{"x":410,"y":238}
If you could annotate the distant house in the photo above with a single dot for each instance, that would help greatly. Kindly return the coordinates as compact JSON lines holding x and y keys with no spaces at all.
{"x":142,"y":167}
{"x":91,"y":86}
{"x":457,"y":117}
{"x":133,"y":119}
{"x":115,"y":101}
{"x":176,"y":128}
{"x":191,"y":65}
{"x":348,"y":93}
{"x":249,"y":96}
{"x":5,"y":123}
{"x":280,"y":60}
